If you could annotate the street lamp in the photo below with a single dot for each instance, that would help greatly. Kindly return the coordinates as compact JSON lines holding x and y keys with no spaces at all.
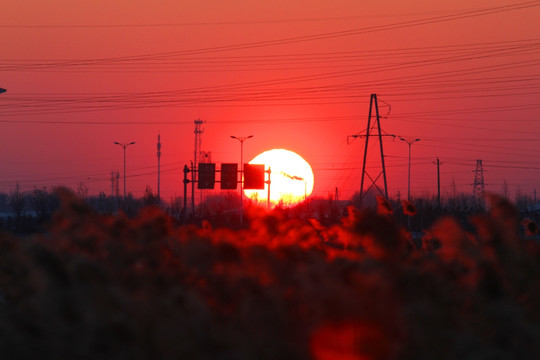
{"x":125,"y":145}
{"x":242,"y":139}
{"x":409,"y":142}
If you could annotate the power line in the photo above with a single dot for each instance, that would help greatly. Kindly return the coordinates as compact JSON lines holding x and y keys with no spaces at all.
{"x":239,"y":62}
{"x":220,"y":23}
{"x":335,"y":34}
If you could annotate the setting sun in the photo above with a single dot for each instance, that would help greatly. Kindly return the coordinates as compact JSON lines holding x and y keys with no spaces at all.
{"x":291,"y":178}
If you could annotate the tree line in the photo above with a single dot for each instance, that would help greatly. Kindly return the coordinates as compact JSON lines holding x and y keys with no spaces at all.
{"x":26,"y":211}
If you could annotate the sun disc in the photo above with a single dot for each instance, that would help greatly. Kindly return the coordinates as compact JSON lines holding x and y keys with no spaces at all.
{"x":291,"y":178}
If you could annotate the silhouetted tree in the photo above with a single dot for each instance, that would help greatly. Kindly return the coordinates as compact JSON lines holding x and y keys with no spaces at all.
{"x":17,"y":202}
{"x":175,"y":206}
{"x":149,"y":198}
{"x":40,"y":202}
{"x":82,"y":190}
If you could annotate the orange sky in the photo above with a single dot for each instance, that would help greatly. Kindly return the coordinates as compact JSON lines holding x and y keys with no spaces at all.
{"x":462,"y":76}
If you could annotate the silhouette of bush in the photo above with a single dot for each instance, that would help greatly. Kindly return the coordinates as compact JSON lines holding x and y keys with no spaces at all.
{"x":113,"y":287}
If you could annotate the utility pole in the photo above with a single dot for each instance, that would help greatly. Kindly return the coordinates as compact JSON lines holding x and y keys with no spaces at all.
{"x":205,"y":157}
{"x":117,"y":184}
{"x":242,"y":139}
{"x":372,"y":104}
{"x":193,"y":179}
{"x":186,"y":181}
{"x":438,"y":163}
{"x":112,"y":183}
{"x":158,"y":167}
{"x":269,"y":182}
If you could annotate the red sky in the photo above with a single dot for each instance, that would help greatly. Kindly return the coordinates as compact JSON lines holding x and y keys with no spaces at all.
{"x":462,"y":76}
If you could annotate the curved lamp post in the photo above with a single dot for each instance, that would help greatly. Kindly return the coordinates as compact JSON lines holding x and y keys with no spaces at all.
{"x":124,"y":145}
{"x":409,"y":142}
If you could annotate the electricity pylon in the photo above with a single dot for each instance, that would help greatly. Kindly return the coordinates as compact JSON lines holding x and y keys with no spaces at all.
{"x":478,"y":186}
{"x":379,"y":134}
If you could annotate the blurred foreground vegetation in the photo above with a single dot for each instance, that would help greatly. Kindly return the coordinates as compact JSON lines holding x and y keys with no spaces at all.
{"x":94,"y":285}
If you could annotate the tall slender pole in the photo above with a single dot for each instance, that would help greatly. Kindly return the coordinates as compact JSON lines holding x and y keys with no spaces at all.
{"x":409,"y":176}
{"x":124,"y":173}
{"x":242,"y":139}
{"x":242,"y":181}
{"x":184,"y":213}
{"x":438,"y":163}
{"x":112,"y":184}
{"x":409,"y":142}
{"x":124,"y":146}
{"x":117,"y":186}
{"x":438,"y":183}
{"x":193,"y":180}
{"x":269,"y":171}
{"x":158,"y":167}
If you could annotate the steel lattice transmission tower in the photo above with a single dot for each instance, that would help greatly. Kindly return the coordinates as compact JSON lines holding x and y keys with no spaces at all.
{"x":198,"y":141}
{"x":478,"y":186}
{"x":196,"y":156}
{"x":373,"y":129}
{"x":199,"y":156}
